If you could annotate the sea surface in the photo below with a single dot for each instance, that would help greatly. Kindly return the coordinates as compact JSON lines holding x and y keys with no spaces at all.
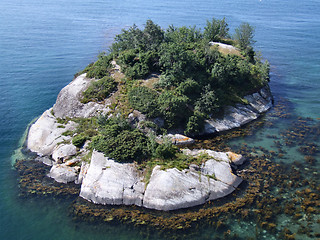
{"x":44,"y":43}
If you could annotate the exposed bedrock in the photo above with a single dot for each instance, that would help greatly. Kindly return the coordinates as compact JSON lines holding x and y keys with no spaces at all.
{"x":109,"y":182}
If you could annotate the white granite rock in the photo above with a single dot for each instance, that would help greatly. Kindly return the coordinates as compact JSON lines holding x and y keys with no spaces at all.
{"x":240,"y":114}
{"x":45,"y":160}
{"x":237,"y":159}
{"x":83,"y":172}
{"x":224,"y":46}
{"x":62,"y":173}
{"x":220,"y":171}
{"x":45,"y":134}
{"x":68,"y":102}
{"x":179,"y":139}
{"x":109,"y":182}
{"x":106,"y":181}
{"x":258,"y":102}
{"x":63,"y":151}
{"x":173,"y":189}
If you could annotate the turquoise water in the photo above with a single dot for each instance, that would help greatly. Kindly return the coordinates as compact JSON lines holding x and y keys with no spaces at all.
{"x":44,"y":43}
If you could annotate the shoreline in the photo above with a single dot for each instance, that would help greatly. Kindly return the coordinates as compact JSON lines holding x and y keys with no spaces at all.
{"x":46,"y":139}
{"x":265,"y":175}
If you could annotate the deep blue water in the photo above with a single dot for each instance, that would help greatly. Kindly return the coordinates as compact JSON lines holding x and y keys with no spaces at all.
{"x":44,"y":43}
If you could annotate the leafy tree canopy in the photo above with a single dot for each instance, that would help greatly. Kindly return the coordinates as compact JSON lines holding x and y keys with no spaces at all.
{"x":196,"y":80}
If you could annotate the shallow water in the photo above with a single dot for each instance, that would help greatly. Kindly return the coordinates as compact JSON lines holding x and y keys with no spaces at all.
{"x":44,"y":43}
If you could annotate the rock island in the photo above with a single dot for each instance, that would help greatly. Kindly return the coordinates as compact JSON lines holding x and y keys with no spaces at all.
{"x":121,"y":129}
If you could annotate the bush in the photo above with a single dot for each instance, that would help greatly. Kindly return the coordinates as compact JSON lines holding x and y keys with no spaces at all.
{"x":100,"y":68}
{"x":82,"y":137}
{"x":166,"y":150}
{"x":137,"y":71}
{"x":195,"y":124}
{"x":79,"y":140}
{"x":113,"y":126}
{"x":208,"y":102}
{"x":174,"y":108}
{"x":189,"y":87}
{"x":144,"y":100}
{"x":99,"y":90}
{"x":127,"y":146}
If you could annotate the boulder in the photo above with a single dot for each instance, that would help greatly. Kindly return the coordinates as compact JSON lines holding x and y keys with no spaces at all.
{"x":224,"y":46}
{"x":63,"y":152}
{"x":83,"y":171}
{"x":179,"y":139}
{"x":63,"y":173}
{"x":135,"y":117}
{"x":237,"y":159}
{"x":220,"y":171}
{"x":173,"y":189}
{"x":109,"y":182}
{"x":68,"y":101}
{"x":46,"y":133}
{"x":241,"y":114}
{"x":260,"y":104}
{"x":45,"y":160}
{"x":218,"y":156}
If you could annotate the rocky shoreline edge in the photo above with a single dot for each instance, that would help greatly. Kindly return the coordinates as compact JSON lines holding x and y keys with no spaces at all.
{"x":104,"y":181}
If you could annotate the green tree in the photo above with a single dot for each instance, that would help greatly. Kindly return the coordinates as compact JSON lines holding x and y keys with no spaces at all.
{"x":145,"y":100}
{"x":195,"y":124}
{"x":153,"y":35}
{"x":173,"y":107}
{"x":216,"y":30}
{"x":128,"y":39}
{"x":208,"y":102}
{"x":183,"y":35}
{"x":244,"y":36}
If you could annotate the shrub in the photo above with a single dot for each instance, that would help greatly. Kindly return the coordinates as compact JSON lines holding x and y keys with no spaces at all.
{"x":145,"y":100}
{"x":166,"y":150}
{"x":79,"y":140}
{"x":99,"y":90}
{"x":208,"y":102}
{"x":100,"y":68}
{"x":137,"y":71}
{"x":195,"y":124}
{"x":113,"y":126}
{"x":173,"y":107}
{"x":189,"y":87}
{"x":127,"y":146}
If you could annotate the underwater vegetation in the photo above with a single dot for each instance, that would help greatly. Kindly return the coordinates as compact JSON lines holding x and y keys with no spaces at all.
{"x":278,"y":199}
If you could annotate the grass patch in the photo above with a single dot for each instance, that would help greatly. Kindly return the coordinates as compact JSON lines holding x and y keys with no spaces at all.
{"x":226,"y":51}
{"x":63,"y":120}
